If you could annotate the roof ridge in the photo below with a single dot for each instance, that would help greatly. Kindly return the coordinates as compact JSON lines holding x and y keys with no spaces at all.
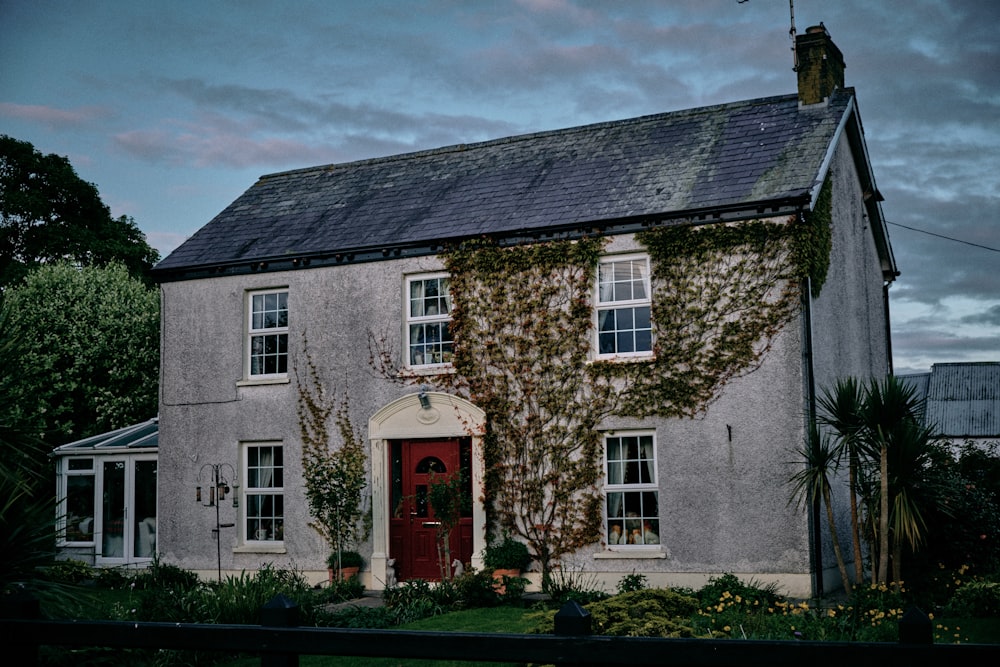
{"x":517,"y":138}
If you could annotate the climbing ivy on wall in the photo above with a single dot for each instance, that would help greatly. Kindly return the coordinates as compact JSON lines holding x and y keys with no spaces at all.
{"x":522,"y":322}
{"x":812,"y":239}
{"x":720,"y":295}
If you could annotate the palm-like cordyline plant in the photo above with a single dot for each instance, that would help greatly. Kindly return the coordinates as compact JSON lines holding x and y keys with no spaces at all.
{"x":878,"y":431}
{"x":840,"y":409}
{"x":820,"y":455}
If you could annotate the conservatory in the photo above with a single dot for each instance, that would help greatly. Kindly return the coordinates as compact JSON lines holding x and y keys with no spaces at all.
{"x":106,"y":490}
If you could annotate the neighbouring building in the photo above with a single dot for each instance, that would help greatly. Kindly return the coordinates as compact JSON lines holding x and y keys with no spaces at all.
{"x":346,"y":262}
{"x":961,"y":401}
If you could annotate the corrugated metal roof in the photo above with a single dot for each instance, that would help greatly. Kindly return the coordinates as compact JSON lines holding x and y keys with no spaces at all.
{"x":136,"y":436}
{"x":752,"y":154}
{"x":963,"y":399}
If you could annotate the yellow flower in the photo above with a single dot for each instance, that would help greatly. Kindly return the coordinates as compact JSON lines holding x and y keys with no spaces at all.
{"x":726,"y":628}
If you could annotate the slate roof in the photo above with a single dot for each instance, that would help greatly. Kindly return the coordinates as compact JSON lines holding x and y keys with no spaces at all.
{"x":737,"y":159}
{"x":963,"y":399}
{"x":144,"y":436}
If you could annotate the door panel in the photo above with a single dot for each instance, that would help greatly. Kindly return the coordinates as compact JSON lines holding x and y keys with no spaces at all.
{"x":127,"y":487}
{"x":413,"y":526}
{"x":113,"y":515}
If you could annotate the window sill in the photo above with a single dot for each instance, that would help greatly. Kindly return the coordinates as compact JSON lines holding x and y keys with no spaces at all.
{"x":630,"y":553}
{"x":276,"y":548}
{"x":262,"y":381}
{"x":425,"y":371}
{"x":625,"y":358}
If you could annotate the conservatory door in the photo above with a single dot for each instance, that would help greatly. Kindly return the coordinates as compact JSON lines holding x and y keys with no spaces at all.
{"x":127,"y":520}
{"x":413,"y":528}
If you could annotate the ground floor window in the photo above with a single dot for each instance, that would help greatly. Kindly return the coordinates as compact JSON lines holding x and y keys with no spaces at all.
{"x":79,"y":493}
{"x":632,"y":502}
{"x":264,"y":493}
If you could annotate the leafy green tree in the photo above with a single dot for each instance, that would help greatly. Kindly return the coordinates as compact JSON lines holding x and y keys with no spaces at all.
{"x":88,"y":357}
{"x":48,"y":214}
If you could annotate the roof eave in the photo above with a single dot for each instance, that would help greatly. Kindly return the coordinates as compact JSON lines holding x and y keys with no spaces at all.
{"x":292,"y":261}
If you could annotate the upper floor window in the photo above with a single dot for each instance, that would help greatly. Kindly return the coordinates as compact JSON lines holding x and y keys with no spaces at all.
{"x":631,"y":489}
{"x":264,"y":493}
{"x":428,"y":340}
{"x":623,"y":307}
{"x":268,"y":331}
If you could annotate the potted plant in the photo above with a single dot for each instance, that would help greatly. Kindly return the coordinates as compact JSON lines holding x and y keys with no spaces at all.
{"x":507,"y":558}
{"x":346,"y":564}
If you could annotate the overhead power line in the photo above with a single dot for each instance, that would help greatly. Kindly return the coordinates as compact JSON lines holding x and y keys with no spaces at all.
{"x":942,"y":236}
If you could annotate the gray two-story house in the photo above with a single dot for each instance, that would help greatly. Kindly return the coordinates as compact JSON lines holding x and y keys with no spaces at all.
{"x":346,"y":265}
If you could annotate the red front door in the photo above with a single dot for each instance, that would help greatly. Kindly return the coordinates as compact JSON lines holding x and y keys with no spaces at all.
{"x":413,"y":528}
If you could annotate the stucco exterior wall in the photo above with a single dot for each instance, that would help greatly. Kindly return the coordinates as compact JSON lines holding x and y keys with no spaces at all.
{"x":723,"y":495}
{"x":849,"y":327}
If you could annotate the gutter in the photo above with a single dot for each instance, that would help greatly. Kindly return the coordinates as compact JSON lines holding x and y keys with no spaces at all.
{"x":815,"y":517}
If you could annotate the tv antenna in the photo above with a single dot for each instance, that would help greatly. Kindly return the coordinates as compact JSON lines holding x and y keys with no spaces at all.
{"x":791,"y":35}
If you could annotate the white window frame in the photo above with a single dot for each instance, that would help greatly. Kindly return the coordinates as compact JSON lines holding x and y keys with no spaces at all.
{"x":62,"y":512}
{"x":605,"y":303}
{"x":616,"y":472}
{"x":259,"y":331}
{"x":274,"y":532}
{"x":443,"y":356}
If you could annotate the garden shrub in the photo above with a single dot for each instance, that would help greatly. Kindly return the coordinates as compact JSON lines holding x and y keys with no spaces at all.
{"x":70,"y":572}
{"x":980,"y":599}
{"x":752,"y":591}
{"x":340,"y":590}
{"x":376,"y":618}
{"x":563,"y":586}
{"x":653,"y":612}
{"x":170,"y":577}
{"x":416,"y":599}
{"x":475,"y":588}
{"x":632,"y":582}
{"x":113,"y":577}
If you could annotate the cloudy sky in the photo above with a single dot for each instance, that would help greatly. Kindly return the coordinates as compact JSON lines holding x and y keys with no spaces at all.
{"x":172,"y":109}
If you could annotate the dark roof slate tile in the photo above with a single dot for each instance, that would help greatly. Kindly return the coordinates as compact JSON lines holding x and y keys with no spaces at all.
{"x":663,"y":165}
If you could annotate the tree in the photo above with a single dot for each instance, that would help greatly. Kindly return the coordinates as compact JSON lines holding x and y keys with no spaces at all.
{"x":88,"y":357}
{"x":49,"y":214}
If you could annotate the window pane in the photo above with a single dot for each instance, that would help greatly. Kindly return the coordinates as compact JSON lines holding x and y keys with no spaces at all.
{"x":80,"y":508}
{"x":80,"y":464}
{"x":615,"y":473}
{"x":632,"y":508}
{"x":429,"y":342}
{"x":264,"y":519}
{"x":616,"y":508}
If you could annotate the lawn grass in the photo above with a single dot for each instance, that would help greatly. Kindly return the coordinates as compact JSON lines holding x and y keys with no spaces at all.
{"x":496,"y":619}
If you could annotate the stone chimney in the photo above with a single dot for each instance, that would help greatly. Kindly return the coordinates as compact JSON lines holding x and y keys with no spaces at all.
{"x":819,"y":64}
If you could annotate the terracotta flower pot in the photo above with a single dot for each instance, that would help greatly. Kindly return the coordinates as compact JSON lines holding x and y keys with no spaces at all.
{"x":498,"y":575}
{"x":344,"y":572}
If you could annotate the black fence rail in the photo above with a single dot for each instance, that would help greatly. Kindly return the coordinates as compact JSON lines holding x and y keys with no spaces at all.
{"x":283,"y":645}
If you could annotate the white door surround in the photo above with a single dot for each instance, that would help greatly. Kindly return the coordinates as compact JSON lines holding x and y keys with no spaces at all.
{"x":415,"y":416}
